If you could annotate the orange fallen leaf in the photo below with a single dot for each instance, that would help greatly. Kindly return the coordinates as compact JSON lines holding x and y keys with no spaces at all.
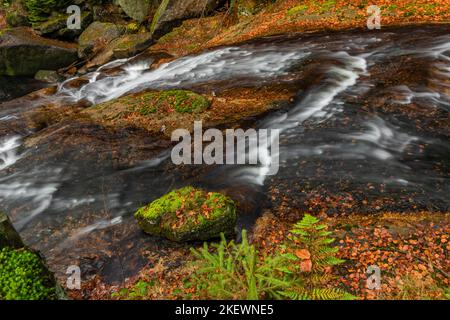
{"x":306,"y":266}
{"x":302,"y":254}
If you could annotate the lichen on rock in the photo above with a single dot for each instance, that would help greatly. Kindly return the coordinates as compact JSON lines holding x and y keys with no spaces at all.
{"x":188,"y":214}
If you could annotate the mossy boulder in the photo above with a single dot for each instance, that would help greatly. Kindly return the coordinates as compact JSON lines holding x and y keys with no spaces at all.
{"x":131,"y":44}
{"x":24,"y":274}
{"x":188,"y":214}
{"x":171,"y":13}
{"x":97,"y":34}
{"x":123,"y":47}
{"x":136,"y":9}
{"x":40,"y":10}
{"x":8,"y":235}
{"x":56,"y":26}
{"x":49,"y":76}
{"x":51,"y":25}
{"x":23,"y":53}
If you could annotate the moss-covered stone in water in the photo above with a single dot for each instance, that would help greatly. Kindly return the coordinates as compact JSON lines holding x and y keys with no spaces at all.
{"x":23,"y":276}
{"x":188,"y":214}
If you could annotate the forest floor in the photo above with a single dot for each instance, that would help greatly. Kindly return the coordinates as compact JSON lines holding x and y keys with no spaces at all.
{"x":410,"y":250}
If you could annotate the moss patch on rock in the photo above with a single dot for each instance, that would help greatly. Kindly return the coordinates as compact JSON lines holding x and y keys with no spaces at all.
{"x":151,"y":110}
{"x":181,"y":101}
{"x":188,"y":214}
{"x":24,"y":277}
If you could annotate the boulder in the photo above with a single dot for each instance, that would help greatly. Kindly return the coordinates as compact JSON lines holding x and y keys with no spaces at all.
{"x":171,"y":13}
{"x":131,"y":44}
{"x":51,"y":25}
{"x":31,"y":274}
{"x":49,"y":76}
{"x":15,"y":87}
{"x":188,"y":214}
{"x":98,"y":34}
{"x":123,"y":47}
{"x":56,"y":26}
{"x":136,"y":9}
{"x":22,"y":52}
{"x":8,"y":235}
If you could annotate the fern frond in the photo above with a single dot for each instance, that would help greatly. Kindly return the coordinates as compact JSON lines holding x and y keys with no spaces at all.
{"x":330,"y":294}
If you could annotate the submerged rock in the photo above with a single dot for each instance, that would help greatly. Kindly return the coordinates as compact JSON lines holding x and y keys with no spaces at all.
{"x":171,"y":13}
{"x":23,"y":53}
{"x":98,"y":34}
{"x":189,"y":214}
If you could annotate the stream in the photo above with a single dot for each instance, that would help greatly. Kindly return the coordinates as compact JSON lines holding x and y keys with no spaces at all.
{"x":369,"y":124}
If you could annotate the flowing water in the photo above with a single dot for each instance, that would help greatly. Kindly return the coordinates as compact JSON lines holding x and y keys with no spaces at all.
{"x":369,"y":124}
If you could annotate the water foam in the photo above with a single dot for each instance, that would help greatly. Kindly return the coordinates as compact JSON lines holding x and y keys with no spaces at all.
{"x":222,"y":64}
{"x":8,"y":151}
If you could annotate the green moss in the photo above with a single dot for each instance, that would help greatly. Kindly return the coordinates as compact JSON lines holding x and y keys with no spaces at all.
{"x":188,"y":214}
{"x":39,"y":10}
{"x":181,"y":101}
{"x":132,"y":27}
{"x":327,"y":6}
{"x":297,"y":9}
{"x":169,"y":37}
{"x":23,"y":276}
